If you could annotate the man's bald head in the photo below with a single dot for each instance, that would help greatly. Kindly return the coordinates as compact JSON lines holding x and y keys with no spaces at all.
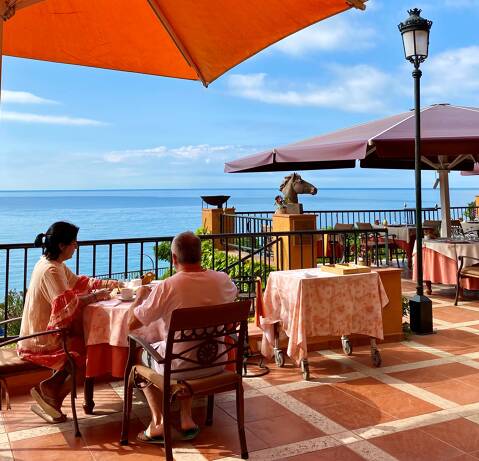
{"x":187,"y":248}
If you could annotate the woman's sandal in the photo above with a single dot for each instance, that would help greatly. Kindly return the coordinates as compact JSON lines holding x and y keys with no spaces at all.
{"x":52,"y":414}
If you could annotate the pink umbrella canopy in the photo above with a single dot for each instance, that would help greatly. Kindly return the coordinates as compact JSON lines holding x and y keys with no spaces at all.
{"x":449,"y":141}
{"x":473,"y":172}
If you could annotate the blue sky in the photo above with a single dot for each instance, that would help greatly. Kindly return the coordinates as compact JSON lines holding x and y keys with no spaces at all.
{"x":68,"y":127}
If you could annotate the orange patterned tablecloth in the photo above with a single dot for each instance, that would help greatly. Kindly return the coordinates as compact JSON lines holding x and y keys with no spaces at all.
{"x":309,"y":302}
{"x":105,"y":328}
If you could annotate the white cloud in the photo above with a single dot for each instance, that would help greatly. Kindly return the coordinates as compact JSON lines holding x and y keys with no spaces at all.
{"x":203,"y":152}
{"x":453,"y":75}
{"x":334,"y":34}
{"x":23,"y":97}
{"x":358,"y":88}
{"x":23,"y":117}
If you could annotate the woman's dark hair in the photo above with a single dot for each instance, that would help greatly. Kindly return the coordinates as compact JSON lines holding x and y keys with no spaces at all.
{"x":59,"y":232}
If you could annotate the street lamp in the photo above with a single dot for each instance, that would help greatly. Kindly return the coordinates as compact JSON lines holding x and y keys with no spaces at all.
{"x":415,"y":36}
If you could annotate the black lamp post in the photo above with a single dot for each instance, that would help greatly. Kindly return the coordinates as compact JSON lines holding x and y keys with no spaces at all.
{"x":415,"y":36}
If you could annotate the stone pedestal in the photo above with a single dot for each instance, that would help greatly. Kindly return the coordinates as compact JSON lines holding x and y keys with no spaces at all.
{"x":296,"y":252}
{"x":211,"y":222}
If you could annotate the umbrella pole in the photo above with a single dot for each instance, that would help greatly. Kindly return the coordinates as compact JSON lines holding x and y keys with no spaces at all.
{"x":445,"y":204}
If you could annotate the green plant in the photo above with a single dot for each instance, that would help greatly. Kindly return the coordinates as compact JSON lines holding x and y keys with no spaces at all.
{"x":406,"y":310}
{"x":470,"y":211}
{"x":14,"y":309}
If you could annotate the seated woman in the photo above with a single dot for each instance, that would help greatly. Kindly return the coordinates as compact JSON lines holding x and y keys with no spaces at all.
{"x":55,"y":299}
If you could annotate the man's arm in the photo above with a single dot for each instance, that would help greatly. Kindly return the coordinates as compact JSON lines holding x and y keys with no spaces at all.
{"x":141,"y":294}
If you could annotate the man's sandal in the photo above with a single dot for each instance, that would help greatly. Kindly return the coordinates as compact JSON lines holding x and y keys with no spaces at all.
{"x":153,"y":439}
{"x":190,"y":434}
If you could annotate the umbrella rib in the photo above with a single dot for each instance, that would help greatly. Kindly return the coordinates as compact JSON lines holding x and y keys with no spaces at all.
{"x":371,"y":140}
{"x":176,"y":40}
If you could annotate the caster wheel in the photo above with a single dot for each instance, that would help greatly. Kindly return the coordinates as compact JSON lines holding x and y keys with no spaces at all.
{"x":347,"y":347}
{"x":279,"y":358}
{"x":376,"y":358}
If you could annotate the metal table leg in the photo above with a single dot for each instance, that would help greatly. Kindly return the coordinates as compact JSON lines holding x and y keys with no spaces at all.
{"x":88,"y":403}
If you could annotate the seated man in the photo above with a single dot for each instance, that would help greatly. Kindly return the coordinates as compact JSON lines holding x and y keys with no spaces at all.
{"x":191,"y":286}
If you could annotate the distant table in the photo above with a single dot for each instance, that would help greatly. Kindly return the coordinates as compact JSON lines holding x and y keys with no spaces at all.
{"x":440,"y":261}
{"x":310,"y":302}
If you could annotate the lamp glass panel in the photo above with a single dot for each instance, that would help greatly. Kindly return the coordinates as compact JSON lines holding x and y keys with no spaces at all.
{"x":408,"y":40}
{"x":422,"y":39}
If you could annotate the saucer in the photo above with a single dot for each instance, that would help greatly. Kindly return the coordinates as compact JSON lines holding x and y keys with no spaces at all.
{"x":126,"y":299}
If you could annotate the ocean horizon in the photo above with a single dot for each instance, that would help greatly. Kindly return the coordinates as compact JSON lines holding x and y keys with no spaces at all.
{"x":123,"y":213}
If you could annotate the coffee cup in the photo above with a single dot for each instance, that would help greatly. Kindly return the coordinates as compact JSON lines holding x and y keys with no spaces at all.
{"x":126,"y":294}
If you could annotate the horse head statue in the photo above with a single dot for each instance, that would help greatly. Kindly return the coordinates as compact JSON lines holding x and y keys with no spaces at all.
{"x":294,"y":185}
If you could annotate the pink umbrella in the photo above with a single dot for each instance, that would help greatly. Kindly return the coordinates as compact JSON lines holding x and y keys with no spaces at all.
{"x":449,"y":141}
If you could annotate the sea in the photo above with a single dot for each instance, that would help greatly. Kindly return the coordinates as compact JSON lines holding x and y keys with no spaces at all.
{"x":111,"y":214}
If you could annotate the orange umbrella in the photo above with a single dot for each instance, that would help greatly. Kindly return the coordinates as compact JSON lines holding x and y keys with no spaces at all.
{"x":190,"y":39}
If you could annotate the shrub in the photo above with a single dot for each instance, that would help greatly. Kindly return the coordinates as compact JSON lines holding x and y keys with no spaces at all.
{"x":14,"y":309}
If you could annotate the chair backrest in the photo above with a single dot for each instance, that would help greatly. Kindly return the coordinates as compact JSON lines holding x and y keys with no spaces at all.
{"x":436,"y":225}
{"x":364,"y":226}
{"x":201,"y":331}
{"x":343,"y":227}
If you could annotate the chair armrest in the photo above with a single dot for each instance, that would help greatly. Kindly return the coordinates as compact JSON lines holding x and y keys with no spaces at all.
{"x":41,"y":333}
{"x":148,"y":348}
{"x":4,"y":322}
{"x":461,"y":257}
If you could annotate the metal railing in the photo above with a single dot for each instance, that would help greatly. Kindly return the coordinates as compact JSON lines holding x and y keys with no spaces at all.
{"x":241,"y":254}
{"x":326,"y":219}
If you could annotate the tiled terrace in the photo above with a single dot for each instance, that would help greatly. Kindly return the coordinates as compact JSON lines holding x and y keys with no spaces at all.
{"x":422,"y":404}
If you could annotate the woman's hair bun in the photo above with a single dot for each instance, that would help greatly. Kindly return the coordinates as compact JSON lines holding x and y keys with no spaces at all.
{"x":39,"y":241}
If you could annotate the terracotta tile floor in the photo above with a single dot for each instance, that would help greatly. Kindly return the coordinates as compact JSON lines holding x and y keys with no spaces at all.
{"x":422,"y":404}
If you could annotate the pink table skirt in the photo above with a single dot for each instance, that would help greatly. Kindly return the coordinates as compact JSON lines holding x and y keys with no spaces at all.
{"x":104,"y":359}
{"x":310,"y":302}
{"x":438,"y":268}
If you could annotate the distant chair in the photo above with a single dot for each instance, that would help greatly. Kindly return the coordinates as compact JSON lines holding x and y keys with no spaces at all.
{"x":370,"y":243}
{"x":345,"y":238}
{"x":432,"y":227}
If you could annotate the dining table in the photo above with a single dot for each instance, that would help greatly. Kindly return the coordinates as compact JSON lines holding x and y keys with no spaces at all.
{"x":105,"y":330}
{"x":440,"y":261}
{"x":309,"y":303}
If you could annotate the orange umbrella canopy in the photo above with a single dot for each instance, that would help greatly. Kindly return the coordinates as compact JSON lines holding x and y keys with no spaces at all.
{"x":190,"y":39}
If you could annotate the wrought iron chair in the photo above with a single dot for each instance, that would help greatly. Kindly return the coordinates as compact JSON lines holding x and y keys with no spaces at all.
{"x":204,"y":330}
{"x":371,"y":243}
{"x":465,"y":272}
{"x":12,"y":365}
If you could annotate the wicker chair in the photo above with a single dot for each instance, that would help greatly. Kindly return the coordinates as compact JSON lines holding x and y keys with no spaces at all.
{"x":206,"y":329}
{"x":12,"y":365}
